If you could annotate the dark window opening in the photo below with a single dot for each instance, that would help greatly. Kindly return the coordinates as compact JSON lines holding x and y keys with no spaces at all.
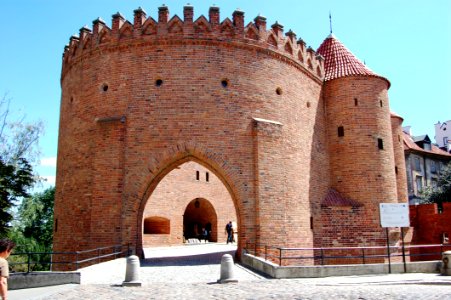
{"x":311,"y":222}
{"x":356,"y":102}
{"x":380,"y":144}
{"x":396,"y":170}
{"x":207,"y":176}
{"x":380,"y":102}
{"x":56,"y":225}
{"x":105,"y":87}
{"x":341,"y":131}
{"x":158,"y":82}
{"x":279,"y":91}
{"x":197,"y":175}
{"x":224,"y":83}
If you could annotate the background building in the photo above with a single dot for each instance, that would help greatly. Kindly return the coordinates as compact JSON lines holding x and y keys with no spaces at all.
{"x":424,"y":161}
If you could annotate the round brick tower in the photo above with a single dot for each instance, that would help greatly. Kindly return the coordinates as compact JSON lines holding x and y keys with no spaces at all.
{"x":142,"y":98}
{"x":359,"y":135}
{"x":400,"y":162}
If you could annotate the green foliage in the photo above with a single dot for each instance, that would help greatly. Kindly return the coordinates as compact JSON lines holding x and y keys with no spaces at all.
{"x":33,"y":231}
{"x":443,"y":191}
{"x":15,"y":179}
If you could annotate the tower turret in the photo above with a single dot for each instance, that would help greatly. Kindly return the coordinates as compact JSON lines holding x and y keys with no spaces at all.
{"x":360,"y":141}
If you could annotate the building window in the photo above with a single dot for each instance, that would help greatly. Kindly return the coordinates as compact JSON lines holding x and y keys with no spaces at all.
{"x":380,"y":144}
{"x":207,"y":176}
{"x":433,"y":167}
{"x":417,"y":164}
{"x":419,"y":183}
{"x":197,"y":175}
{"x":341,"y":131}
{"x":396,"y":170}
{"x":356,"y":101}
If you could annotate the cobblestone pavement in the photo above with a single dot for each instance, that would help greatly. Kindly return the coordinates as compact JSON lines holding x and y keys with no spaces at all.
{"x":195,"y":277}
{"x":263,"y":289}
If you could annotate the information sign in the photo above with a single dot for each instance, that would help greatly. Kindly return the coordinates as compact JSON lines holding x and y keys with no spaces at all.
{"x":394,"y":214}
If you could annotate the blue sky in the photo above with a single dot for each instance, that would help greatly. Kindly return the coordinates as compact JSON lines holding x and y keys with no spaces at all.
{"x":406,"y":41}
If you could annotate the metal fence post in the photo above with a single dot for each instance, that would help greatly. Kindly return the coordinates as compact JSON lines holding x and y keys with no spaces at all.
{"x":28,"y":262}
{"x":280,"y":256}
{"x":363,"y":255}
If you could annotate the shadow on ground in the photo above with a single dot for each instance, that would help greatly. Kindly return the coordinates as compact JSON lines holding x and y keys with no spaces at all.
{"x":190,"y":260}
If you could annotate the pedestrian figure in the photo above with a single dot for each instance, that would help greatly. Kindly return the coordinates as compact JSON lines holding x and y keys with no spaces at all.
{"x":229,"y":230}
{"x":6,"y":247}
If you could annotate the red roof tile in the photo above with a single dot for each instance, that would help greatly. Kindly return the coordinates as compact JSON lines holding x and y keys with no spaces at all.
{"x":340,"y":62}
{"x":334,"y":198}
{"x":409,"y":144}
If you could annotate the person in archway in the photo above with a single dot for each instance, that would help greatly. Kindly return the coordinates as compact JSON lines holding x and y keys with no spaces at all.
{"x":229,"y":230}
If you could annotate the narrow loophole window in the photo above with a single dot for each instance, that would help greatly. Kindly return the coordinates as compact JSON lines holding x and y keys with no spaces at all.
{"x":308,"y":104}
{"x":341,"y":131}
{"x":380,"y":144}
{"x":381,"y":103}
{"x":197,"y":175}
{"x":224,"y":83}
{"x":158,"y":82}
{"x":356,"y":101}
{"x":207,"y":176}
{"x":396,"y":170}
{"x":105,"y":87}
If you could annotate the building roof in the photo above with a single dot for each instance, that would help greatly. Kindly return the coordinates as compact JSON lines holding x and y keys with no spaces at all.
{"x":340,"y":62}
{"x":334,"y":198}
{"x":410,"y":145}
{"x":421,"y":138}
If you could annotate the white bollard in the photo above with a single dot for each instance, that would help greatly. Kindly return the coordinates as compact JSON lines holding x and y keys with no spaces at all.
{"x":132,"y":272}
{"x":446,"y":263}
{"x":227,"y":271}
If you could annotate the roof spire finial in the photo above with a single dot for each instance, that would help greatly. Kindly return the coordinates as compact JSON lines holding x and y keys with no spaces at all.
{"x":330,"y":22}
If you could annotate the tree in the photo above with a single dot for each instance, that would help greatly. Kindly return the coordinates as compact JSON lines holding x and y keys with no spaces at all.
{"x":18,"y":139}
{"x":35,"y":215}
{"x":33,"y":230}
{"x":442,"y":193}
{"x":15,"y":179}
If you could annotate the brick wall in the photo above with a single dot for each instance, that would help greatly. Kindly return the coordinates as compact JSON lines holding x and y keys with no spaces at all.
{"x":430,"y":222}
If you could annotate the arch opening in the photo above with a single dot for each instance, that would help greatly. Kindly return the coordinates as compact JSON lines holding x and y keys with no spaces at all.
{"x":200,"y":221}
{"x":184,"y":203}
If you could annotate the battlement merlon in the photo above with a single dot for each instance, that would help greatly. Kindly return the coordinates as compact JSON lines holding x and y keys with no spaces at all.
{"x":145,"y":29}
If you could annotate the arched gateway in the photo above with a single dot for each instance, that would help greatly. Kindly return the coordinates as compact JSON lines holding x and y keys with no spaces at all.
{"x":187,"y":200}
{"x":150,"y":107}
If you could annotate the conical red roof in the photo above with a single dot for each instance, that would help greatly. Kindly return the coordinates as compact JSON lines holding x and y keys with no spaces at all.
{"x":340,"y":62}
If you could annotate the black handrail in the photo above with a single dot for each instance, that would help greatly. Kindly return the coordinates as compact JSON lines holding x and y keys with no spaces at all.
{"x":96,"y":254}
{"x":279,"y":254}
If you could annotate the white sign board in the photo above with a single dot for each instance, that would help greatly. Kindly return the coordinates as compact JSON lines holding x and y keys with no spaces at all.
{"x":394,"y":214}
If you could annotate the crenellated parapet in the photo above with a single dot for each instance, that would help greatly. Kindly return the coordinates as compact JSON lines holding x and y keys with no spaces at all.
{"x":166,"y":30}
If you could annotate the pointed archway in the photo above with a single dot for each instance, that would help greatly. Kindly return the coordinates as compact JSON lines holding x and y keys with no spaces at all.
{"x":188,"y":198}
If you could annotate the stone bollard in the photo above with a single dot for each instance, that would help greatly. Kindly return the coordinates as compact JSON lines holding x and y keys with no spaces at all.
{"x":227,"y":271}
{"x":446,"y":263}
{"x":132,"y":272}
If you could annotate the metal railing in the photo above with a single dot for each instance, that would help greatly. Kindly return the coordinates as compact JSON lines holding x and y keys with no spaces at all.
{"x":345,"y":255}
{"x":70,"y":260}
